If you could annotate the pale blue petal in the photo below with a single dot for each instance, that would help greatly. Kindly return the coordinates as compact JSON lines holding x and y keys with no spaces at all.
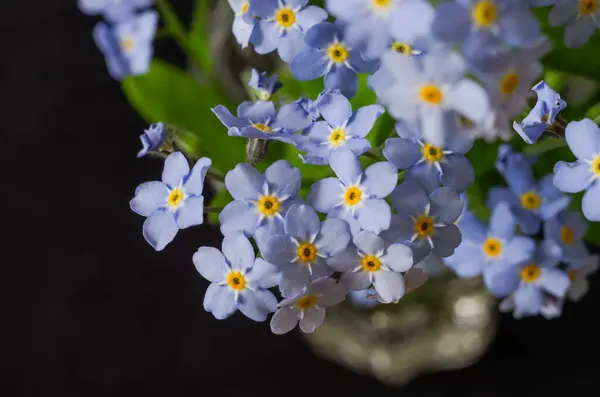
{"x":264,"y":8}
{"x":374,"y":215}
{"x":446,"y":205}
{"x":149,"y":196}
{"x":220,"y":301}
{"x":284,"y":320}
{"x":583,"y":138}
{"x":346,"y":166}
{"x":359,"y":65}
{"x":519,"y":27}
{"x":502,"y":222}
{"x":363,"y":120}
{"x":401,"y":229}
{"x":321,"y":35}
{"x":239,"y":216}
{"x":290,"y":44}
{"x":160,"y":229}
{"x":445,"y":240}
{"x":528,"y":299}
{"x":176,"y":167}
{"x":344,"y":261}
{"x":266,"y":37}
{"x":579,"y":31}
{"x":425,"y":175}
{"x":194,"y":184}
{"x":191,"y":212}
{"x":342,"y":78}
{"x":497,"y":195}
{"x":369,"y":243}
{"x":380,"y":179}
{"x":500,"y":279}
{"x":293,"y":279}
{"x":313,"y":319}
{"x":460,"y":144}
{"x":358,"y":146}
{"x":572,"y":177}
{"x":257,"y":112}
{"x":284,"y":180}
{"x":325,"y":194}
{"x":398,"y":257}
{"x":389,"y":286}
{"x":467,"y":260}
{"x":590,"y":204}
{"x":333,"y":238}
{"x":309,"y":64}
{"x":245,"y":183}
{"x":412,"y":20}
{"x":302,"y":223}
{"x":469,"y":99}
{"x":309,"y":16}
{"x":256,"y":305}
{"x":452,"y":22}
{"x":410,"y":199}
{"x":554,"y":281}
{"x":229,"y":120}
{"x":433,"y":125}
{"x":210,"y":263}
{"x":528,"y":222}
{"x":264,"y":274}
{"x":335,"y":109}
{"x":279,"y":250}
{"x":346,"y":10}
{"x":472,"y":229}
{"x":402,"y":152}
{"x":457,"y":172}
{"x":238,"y":250}
{"x":242,"y":31}
{"x":563,"y":11}
{"x":518,"y":250}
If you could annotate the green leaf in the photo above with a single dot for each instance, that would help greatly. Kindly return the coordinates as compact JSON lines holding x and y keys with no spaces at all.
{"x":483,"y":157}
{"x":169,"y":95}
{"x":198,"y":35}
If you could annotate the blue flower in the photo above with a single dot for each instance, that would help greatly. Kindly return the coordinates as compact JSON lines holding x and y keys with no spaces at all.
{"x":283,"y":25}
{"x":301,"y":252}
{"x":578,"y":272}
{"x":113,"y":10}
{"x":431,"y":164}
{"x":327,"y":54}
{"x":259,"y":120}
{"x":127,"y":45}
{"x":420,"y":91}
{"x":497,"y":244}
{"x":152,"y":139}
{"x":426,"y":222}
{"x":530,"y":283}
{"x":312,"y":107}
{"x":263,"y":85}
{"x":355,"y":196}
{"x":341,"y":129}
{"x":482,"y":23}
{"x":581,"y":18}
{"x":238,"y":280}
{"x":583,"y":138}
{"x":567,"y":230}
{"x":308,"y":308}
{"x":173,"y":204}
{"x":260,"y":202}
{"x":508,"y":159}
{"x":244,"y":23}
{"x":370,"y":261}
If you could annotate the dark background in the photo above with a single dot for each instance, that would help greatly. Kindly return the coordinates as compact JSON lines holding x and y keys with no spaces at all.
{"x":89,"y":309}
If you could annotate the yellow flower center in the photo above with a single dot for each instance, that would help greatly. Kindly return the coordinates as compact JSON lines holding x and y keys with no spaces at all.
{"x":338,"y":53}
{"x":370,"y":264}
{"x":175,"y":198}
{"x":571,"y":274}
{"x":337,"y":137}
{"x":530,"y":273}
{"x":588,"y":7}
{"x":432,"y":153}
{"x":492,"y":247}
{"x":306,"y":302}
{"x":381,"y":3}
{"x":127,"y":43}
{"x":432,"y":94}
{"x":306,"y":252}
{"x":352,"y":195}
{"x":245,"y":7}
{"x":262,"y":127}
{"x":424,"y":226}
{"x":268,"y":205}
{"x":484,"y":13}
{"x":402,"y":48}
{"x":596,"y":166}
{"x":285,"y":17}
{"x":531,"y":201}
{"x":509,"y":83}
{"x":567,"y":235}
{"x":236,"y":281}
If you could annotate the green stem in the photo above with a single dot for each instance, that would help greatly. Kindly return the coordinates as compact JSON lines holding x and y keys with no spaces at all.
{"x":373,"y":156}
{"x":213,"y":209}
{"x":217,"y":177}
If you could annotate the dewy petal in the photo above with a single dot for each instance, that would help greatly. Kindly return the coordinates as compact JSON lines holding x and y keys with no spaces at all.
{"x":402,"y":152}
{"x":194,"y":184}
{"x":469,"y":99}
{"x":160,"y":229}
{"x":238,"y":250}
{"x":279,"y":250}
{"x":410,"y":199}
{"x":380,"y":179}
{"x":451,"y":23}
{"x":244,"y":182}
{"x":389,"y":286}
{"x":239,"y":216}
{"x":369,"y":243}
{"x":590,"y":204}
{"x":398,"y":257}
{"x":293,"y":279}
{"x":313,"y":319}
{"x":176,"y":167}
{"x":302,"y":222}
{"x":191,"y":212}
{"x":572,"y":177}
{"x":284,"y":320}
{"x":375,"y":215}
{"x":446,"y":205}
{"x":292,"y":117}
{"x":309,"y":64}
{"x":457,"y":172}
{"x":256,"y":305}
{"x":342,"y":78}
{"x":333,"y":238}
{"x":346,"y":166}
{"x":210,"y":263}
{"x":502,"y":222}
{"x":583,"y":138}
{"x":344,"y":261}
{"x":220,"y":301}
{"x":325,"y":194}
{"x":335,"y":109}
{"x":149,"y":197}
{"x":578,"y":32}
{"x":284,"y":180}
{"x":363,"y":120}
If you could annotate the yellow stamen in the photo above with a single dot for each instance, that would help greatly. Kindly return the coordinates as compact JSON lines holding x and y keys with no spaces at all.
{"x":596,"y":166}
{"x":424,"y":226}
{"x":268,"y":205}
{"x":175,"y":198}
{"x":572,"y":274}
{"x":492,"y":247}
{"x":337,"y":137}
{"x":262,"y":127}
{"x":567,"y":235}
{"x":531,"y":201}
{"x":306,"y":252}
{"x":588,"y":7}
{"x":306,"y":302}
{"x":509,"y":83}
{"x":432,"y":153}
{"x":431,"y":94}
{"x":530,"y":273}
{"x":338,"y":53}
{"x":484,"y":13}
{"x":381,"y":3}
{"x":285,"y":17}
{"x":236,"y":281}
{"x":370,"y":263}
{"x":352,"y":196}
{"x":245,"y":7}
{"x":402,"y":48}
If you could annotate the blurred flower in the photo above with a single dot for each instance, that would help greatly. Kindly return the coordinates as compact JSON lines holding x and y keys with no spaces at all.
{"x":567,"y":230}
{"x":113,"y":10}
{"x":578,"y":272}
{"x":263,"y":85}
{"x":581,"y":18}
{"x":244,"y":23}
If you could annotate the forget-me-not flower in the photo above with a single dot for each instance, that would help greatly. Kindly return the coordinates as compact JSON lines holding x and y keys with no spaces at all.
{"x":244,"y":23}
{"x":301,"y":252}
{"x":424,"y":161}
{"x":567,"y":230}
{"x":283,"y":24}
{"x":371,"y":261}
{"x":127,"y":45}
{"x":356,"y":196}
{"x":582,"y":18}
{"x":113,"y":10}
{"x":497,"y":244}
{"x":578,"y":273}
{"x":238,"y":279}
{"x":327,"y":54}
{"x":152,"y":139}
{"x":260,"y":201}
{"x":263,"y":85}
{"x":509,"y":159}
{"x":173,"y":204}
{"x":308,"y":309}
{"x":583,"y":138}
{"x":260,"y":120}
{"x":311,"y":107}
{"x":341,"y":129}
{"x":421,"y":91}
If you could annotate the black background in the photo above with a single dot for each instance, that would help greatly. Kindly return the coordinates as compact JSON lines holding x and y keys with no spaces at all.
{"x":89,"y":309}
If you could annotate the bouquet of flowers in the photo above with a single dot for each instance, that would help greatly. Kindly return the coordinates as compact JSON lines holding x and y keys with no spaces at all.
{"x":382,"y":151}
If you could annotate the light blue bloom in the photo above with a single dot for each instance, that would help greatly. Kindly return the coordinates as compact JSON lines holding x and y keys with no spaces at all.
{"x":327,"y":54}
{"x":308,"y":308}
{"x":238,"y":279}
{"x":567,"y":230}
{"x":127,"y":45}
{"x":543,"y":114}
{"x":425,"y":221}
{"x":431,"y":164}
{"x":263,"y":85}
{"x":260,"y":202}
{"x":582,"y":18}
{"x":529,"y":283}
{"x":420,"y":91}
{"x":173,"y":204}
{"x":497,"y":244}
{"x":312,"y":107}
{"x":152,"y":139}
{"x":283,"y":25}
{"x":578,"y":272}
{"x":355,"y":196}
{"x":370,"y":261}
{"x":341,"y":129}
{"x":301,"y":252}
{"x":260,"y":120}
{"x":583,"y":138}
{"x":244,"y":23}
{"x":509,"y":159}
{"x":113,"y":10}
{"x":483,"y":23}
